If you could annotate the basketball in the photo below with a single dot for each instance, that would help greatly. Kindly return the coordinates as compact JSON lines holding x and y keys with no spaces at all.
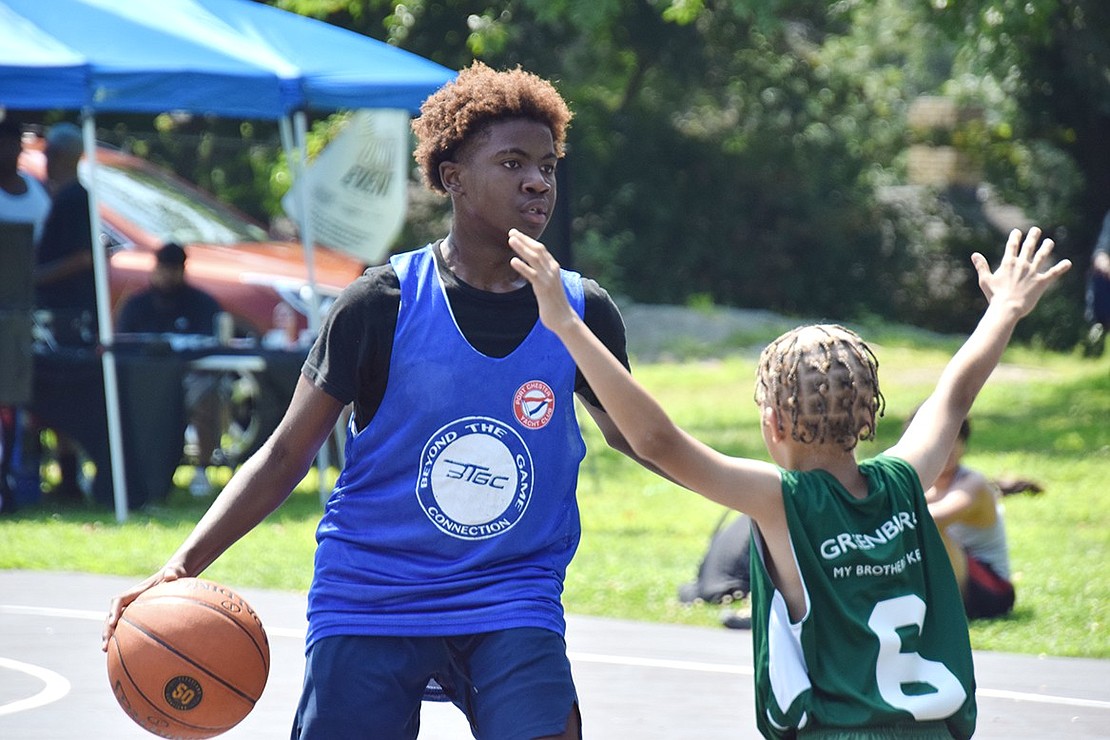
{"x":189,"y":659}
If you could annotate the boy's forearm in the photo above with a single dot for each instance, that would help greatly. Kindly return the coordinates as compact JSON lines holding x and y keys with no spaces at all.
{"x":596,"y":364}
{"x":968,"y":370}
{"x":637,"y":415}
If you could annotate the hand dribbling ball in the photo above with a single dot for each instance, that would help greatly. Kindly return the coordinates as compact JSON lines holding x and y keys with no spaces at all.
{"x":188,"y":659}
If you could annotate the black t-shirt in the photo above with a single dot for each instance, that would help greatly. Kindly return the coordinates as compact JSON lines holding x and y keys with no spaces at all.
{"x":66,"y":232}
{"x":187,"y":310}
{"x":350,"y":359}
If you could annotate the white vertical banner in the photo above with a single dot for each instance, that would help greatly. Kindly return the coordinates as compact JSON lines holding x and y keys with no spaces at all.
{"x":357,"y":186}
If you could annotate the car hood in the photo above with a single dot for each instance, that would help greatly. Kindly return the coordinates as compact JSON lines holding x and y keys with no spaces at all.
{"x":263,"y":263}
{"x":270,"y":261}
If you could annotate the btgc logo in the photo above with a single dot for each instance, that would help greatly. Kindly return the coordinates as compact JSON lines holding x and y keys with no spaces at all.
{"x":475,"y":478}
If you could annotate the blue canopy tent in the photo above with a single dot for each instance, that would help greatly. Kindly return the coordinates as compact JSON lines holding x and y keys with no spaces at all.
{"x":234,"y":58}
{"x":230,"y":58}
{"x":35,"y":69}
{"x":337,"y":68}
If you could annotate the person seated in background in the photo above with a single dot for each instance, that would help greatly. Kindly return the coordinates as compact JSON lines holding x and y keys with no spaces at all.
{"x":967,"y":508}
{"x":172,"y":306}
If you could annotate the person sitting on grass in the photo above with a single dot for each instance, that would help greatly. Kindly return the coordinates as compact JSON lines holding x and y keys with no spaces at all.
{"x":967,"y":508}
{"x":857,"y":622}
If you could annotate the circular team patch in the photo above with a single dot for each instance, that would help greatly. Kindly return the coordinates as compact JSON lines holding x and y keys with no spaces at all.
{"x":534,"y":404}
{"x":475,"y":478}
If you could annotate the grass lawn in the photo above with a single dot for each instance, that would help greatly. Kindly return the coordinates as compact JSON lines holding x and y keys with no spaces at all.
{"x":1043,"y":416}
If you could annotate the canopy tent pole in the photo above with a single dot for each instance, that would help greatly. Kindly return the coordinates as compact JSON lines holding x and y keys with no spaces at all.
{"x":104,"y":325}
{"x":294,"y":136}
{"x":308,"y":237}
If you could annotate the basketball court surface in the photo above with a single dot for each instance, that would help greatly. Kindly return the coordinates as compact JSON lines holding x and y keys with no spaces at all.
{"x":636,"y":681}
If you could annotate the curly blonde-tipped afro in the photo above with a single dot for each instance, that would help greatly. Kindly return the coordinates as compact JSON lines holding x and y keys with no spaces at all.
{"x":477,"y":97}
{"x":823,"y":380}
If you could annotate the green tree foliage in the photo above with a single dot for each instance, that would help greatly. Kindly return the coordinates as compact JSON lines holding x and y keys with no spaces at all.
{"x":752,"y":190}
{"x":752,"y":152}
{"x":738,"y":156}
{"x":1043,"y":70}
{"x":716,"y":150}
{"x":1038,"y":68}
{"x":233,"y":159}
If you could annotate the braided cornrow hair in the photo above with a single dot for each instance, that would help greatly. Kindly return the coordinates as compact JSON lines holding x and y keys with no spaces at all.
{"x":478,"y":96}
{"x":824,"y":379}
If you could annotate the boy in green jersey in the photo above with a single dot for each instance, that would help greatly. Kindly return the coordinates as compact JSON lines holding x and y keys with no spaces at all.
{"x":858,"y":625}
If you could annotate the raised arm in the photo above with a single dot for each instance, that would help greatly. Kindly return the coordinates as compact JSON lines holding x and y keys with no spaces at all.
{"x":747,"y":485}
{"x":256,"y":489}
{"x":1012,"y":290}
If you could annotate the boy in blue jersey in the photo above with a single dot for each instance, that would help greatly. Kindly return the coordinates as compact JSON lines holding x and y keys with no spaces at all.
{"x":443,"y":548}
{"x":857,"y":621}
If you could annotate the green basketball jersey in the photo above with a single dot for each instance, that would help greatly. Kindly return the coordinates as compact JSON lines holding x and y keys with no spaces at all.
{"x":884,"y":639}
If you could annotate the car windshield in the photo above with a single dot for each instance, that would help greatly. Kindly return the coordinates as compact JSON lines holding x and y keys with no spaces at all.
{"x":165,"y":208}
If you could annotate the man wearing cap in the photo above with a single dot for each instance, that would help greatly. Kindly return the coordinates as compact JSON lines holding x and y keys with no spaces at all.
{"x":172,"y":306}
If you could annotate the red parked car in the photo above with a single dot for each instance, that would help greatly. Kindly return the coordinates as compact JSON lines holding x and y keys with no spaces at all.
{"x":232,"y":257}
{"x":255,"y":278}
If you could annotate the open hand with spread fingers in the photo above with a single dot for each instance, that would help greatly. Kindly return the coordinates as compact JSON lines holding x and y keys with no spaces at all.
{"x":1025,"y":273}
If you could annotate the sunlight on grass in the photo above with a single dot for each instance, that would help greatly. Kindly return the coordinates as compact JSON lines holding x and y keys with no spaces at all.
{"x":1042,"y":416}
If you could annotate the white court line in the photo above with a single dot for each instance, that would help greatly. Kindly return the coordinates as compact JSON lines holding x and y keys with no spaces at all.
{"x":1044,"y":698}
{"x":679,"y":665}
{"x":47,"y":611}
{"x":56,"y":687}
{"x":687,"y":665}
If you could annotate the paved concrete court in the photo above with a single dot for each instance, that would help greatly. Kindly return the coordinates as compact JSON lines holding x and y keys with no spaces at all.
{"x":636,"y":681}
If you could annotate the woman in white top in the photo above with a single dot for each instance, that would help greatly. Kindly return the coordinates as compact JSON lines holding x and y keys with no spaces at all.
{"x":23,"y":199}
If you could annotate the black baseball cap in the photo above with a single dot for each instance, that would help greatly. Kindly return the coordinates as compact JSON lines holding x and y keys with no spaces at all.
{"x":171,"y":253}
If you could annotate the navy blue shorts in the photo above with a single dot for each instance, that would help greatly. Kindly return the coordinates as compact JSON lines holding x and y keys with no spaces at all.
{"x":512,"y":684}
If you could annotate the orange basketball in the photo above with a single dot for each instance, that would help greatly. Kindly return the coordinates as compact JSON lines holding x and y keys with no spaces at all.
{"x":189,"y":659}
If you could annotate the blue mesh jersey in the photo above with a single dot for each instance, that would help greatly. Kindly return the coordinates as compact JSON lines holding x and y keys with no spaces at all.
{"x":884,"y":638}
{"x":455,"y":512}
